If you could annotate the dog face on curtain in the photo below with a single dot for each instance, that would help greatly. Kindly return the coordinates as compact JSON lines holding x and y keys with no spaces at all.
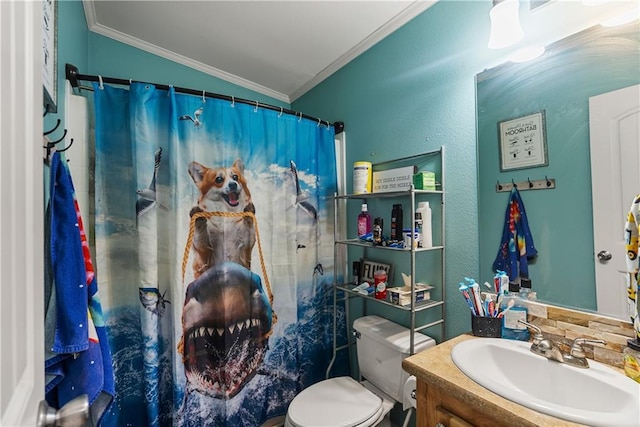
{"x":226,"y":315}
{"x":217,"y":238}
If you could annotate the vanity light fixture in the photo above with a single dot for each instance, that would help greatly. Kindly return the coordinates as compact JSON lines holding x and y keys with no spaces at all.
{"x":625,"y":18}
{"x":505,"y":24}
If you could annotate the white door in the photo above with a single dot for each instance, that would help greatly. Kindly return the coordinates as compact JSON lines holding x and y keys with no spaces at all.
{"x":614,"y":125}
{"x":21,"y":214}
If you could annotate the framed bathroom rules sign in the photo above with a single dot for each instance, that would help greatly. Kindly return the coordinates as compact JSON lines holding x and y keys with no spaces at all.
{"x":523,"y":142}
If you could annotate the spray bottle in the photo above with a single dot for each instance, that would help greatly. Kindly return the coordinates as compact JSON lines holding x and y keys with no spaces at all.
{"x":364,"y":221}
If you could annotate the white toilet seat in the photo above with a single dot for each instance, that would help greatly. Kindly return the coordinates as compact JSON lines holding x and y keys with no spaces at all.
{"x":336,"y":402}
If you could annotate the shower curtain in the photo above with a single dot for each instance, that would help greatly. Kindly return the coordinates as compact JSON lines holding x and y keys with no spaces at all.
{"x":214,"y":249}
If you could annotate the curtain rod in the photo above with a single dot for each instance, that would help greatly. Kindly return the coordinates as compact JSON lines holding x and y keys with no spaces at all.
{"x":72,"y":74}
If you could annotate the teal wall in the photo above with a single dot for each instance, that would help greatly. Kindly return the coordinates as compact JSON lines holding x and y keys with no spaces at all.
{"x":72,"y":48}
{"x":561,"y":221}
{"x":413,"y":92}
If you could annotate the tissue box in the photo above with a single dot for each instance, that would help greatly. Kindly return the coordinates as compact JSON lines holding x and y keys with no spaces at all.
{"x":402,"y":295}
{"x":425,"y":181}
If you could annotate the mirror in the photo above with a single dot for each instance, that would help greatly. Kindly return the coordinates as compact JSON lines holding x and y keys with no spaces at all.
{"x":559,"y":83}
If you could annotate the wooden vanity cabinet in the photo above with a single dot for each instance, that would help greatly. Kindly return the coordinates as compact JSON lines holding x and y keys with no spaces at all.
{"x":436,"y":408}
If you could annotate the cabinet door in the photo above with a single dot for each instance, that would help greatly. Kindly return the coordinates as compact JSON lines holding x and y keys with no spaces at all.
{"x":445,"y":418}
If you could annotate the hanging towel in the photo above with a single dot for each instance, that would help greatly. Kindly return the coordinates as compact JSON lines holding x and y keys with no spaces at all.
{"x":78,"y":358}
{"x":632,"y":246}
{"x":517,"y":242}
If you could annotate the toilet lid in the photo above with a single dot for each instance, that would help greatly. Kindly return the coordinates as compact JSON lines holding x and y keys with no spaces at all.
{"x":337,"y":402}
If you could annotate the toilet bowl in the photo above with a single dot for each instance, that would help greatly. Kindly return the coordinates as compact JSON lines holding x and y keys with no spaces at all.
{"x":344,"y":402}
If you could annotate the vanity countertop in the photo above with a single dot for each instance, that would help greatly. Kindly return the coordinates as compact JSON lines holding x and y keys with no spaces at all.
{"x":435,"y":367}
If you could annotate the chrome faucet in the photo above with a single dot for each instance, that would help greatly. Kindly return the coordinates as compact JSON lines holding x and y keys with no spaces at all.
{"x":546,"y":348}
{"x":576,"y":356}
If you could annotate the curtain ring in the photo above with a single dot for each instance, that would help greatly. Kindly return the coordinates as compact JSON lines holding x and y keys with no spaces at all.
{"x":233,"y":101}
{"x":328,"y":125}
{"x":101,"y":84}
{"x":318,"y":122}
{"x":255,"y":110}
{"x":299,"y":117}
{"x":204,"y":100}
{"x":280,"y":114}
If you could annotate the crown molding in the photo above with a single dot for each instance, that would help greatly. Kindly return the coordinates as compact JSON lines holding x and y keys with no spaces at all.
{"x":410,"y":12}
{"x":97,"y":28}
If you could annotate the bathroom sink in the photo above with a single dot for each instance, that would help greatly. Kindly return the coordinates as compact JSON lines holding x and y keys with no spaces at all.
{"x":597,"y":396}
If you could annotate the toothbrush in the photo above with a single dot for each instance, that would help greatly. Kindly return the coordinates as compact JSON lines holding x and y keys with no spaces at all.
{"x":499,"y":303}
{"x":509,"y":305}
{"x":492,"y":309}
{"x":464,"y":291}
{"x":475,"y":292}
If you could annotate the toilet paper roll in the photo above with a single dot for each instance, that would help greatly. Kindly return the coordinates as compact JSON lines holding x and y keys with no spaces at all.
{"x":408,"y":393}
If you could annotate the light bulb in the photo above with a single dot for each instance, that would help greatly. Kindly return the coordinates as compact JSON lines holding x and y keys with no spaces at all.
{"x":505,"y":24}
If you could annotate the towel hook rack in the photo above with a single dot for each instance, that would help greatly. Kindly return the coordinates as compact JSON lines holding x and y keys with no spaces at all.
{"x":539,"y":184}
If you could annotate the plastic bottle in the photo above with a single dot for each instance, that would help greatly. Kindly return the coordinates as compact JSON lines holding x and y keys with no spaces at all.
{"x":511,"y":328}
{"x":396,"y":222}
{"x":364,"y":221}
{"x":380,"y":284}
{"x":378,"y":229}
{"x":426,"y":237}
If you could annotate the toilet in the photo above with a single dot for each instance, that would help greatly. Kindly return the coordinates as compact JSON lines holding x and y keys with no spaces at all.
{"x":344,"y":402}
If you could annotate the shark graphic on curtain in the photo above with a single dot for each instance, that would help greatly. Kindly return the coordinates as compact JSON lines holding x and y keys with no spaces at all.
{"x":214,"y":247}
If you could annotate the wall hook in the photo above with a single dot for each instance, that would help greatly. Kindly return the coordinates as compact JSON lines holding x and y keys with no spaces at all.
{"x":530,"y":183}
{"x":514,"y":184}
{"x":54,"y":128}
{"x":547,"y":180}
{"x":499,"y":185}
{"x":61,"y":138}
{"x":67,"y":147}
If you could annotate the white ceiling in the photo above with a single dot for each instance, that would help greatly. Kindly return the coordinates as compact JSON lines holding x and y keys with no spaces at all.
{"x":281,"y":49}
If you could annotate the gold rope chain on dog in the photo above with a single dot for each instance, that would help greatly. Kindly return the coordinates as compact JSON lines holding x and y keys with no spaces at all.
{"x":187,"y":249}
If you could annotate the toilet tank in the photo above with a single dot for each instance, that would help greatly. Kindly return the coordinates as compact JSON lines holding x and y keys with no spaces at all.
{"x":382,"y":345}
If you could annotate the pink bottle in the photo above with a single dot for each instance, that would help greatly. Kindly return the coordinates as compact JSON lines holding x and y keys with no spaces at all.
{"x":364,"y":221}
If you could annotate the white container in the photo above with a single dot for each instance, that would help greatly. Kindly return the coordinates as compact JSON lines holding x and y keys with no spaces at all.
{"x":426,"y":236}
{"x":362,"y":174}
{"x":382,"y":346}
{"x":402,"y":295}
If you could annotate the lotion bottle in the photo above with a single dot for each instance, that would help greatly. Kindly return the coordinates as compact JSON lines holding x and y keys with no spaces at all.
{"x":426,"y":236}
{"x":364,"y":221}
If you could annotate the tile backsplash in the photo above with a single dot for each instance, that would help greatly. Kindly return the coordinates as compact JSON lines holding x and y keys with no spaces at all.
{"x":563,"y":325}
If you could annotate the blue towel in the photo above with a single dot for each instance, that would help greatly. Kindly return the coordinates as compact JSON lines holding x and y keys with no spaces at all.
{"x":74,"y":364}
{"x":516,"y":245}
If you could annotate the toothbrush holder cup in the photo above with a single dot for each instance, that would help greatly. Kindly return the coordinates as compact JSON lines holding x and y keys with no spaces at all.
{"x":488,"y":327}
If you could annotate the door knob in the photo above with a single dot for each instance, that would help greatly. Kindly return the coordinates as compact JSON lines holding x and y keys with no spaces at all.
{"x":74,"y":414}
{"x":604,"y":255}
